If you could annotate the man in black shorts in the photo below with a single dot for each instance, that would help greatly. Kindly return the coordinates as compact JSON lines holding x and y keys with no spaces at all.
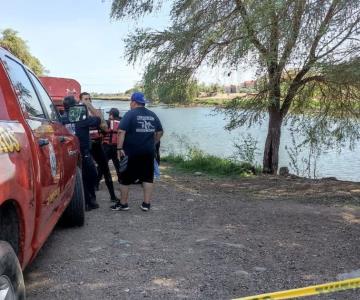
{"x":140,"y":129}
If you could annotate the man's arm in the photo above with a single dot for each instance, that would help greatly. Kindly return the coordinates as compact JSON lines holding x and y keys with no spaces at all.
{"x":158,"y":136}
{"x":120,"y":144}
{"x":96,"y":113}
{"x":158,"y":129}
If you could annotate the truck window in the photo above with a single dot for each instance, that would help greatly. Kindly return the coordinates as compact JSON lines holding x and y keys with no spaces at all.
{"x":24,"y":89}
{"x":48,"y":104}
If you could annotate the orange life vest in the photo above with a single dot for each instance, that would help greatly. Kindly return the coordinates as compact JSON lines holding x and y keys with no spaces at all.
{"x":95,"y":134}
{"x":110,"y":137}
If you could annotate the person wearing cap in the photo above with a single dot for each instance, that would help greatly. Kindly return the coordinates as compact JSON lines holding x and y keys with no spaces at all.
{"x":140,"y":129}
{"x":110,"y":141}
{"x":97,"y":150}
{"x":82,"y":131}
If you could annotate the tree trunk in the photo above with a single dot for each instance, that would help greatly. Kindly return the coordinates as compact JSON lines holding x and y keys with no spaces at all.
{"x":271,"y":151}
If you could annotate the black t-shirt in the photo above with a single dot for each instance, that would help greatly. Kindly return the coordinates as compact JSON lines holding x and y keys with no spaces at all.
{"x":82,"y":131}
{"x":140,"y":125}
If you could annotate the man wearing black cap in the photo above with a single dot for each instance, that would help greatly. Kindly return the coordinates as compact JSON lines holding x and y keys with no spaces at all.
{"x":82,"y":130}
{"x":140,"y":129}
{"x":97,"y":150}
{"x":110,"y":141}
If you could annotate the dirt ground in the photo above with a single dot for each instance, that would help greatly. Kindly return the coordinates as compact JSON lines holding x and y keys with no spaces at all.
{"x":207,"y":239}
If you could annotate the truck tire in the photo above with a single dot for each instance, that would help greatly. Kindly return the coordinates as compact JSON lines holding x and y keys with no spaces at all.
{"x":12,"y":285}
{"x":74,"y":214}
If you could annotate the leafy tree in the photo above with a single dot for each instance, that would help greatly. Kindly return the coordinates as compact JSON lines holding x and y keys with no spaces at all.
{"x":17,"y":46}
{"x":138,"y":87}
{"x":170,"y":89}
{"x":303,"y":49}
{"x":210,"y":89}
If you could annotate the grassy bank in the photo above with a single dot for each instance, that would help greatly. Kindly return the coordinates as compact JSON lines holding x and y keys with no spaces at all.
{"x":218,"y":100}
{"x":198,"y":161}
{"x":210,"y":101}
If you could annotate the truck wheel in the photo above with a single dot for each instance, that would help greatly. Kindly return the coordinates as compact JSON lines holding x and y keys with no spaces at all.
{"x":74,"y":214}
{"x":12,"y":285}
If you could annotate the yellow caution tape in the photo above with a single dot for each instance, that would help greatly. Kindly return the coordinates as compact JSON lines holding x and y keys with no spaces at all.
{"x":326,"y":288}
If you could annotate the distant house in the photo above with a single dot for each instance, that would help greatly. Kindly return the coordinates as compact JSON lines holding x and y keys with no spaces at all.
{"x":231,"y":89}
{"x":249,"y":84}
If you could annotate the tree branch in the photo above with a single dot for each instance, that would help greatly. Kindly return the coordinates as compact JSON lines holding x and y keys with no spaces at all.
{"x":346,"y":37}
{"x":322,"y":30}
{"x":310,"y":61}
{"x":252,"y":34}
{"x":317,"y":78}
{"x":296,"y":25}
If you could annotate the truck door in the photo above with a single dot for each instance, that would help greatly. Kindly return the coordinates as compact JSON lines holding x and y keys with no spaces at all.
{"x":45,"y":146}
{"x":69,"y":146}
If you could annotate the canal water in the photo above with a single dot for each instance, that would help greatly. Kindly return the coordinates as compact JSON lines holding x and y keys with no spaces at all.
{"x":201,"y":127}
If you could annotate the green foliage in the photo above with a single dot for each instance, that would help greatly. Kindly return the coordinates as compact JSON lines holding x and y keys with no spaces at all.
{"x":211,"y":89}
{"x":138,"y":87}
{"x":122,"y":8}
{"x":188,"y":157}
{"x":110,"y":96}
{"x":197,"y":161}
{"x":304,"y":156}
{"x":246,"y":149}
{"x":17,"y":46}
{"x":175,"y":88}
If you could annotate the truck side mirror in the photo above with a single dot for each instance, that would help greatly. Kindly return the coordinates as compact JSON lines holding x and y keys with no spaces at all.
{"x":77,"y":113}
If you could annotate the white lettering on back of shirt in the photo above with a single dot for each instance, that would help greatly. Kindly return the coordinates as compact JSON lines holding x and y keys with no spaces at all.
{"x":145,"y":124}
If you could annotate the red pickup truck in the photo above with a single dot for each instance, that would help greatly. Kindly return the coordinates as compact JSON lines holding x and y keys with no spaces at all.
{"x":40,"y":172}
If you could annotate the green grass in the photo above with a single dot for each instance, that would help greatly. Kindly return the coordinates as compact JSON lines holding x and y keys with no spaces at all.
{"x":198,"y":161}
{"x":210,"y":101}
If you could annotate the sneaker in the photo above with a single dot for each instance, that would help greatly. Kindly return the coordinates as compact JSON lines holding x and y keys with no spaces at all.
{"x":145,"y":206}
{"x":118,"y":206}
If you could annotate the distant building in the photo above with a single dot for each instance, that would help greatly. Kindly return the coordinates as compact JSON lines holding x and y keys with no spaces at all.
{"x":248,"y":84}
{"x":231,"y":89}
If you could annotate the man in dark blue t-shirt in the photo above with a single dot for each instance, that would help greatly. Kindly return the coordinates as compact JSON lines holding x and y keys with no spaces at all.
{"x":81,"y":130}
{"x":140,"y":129}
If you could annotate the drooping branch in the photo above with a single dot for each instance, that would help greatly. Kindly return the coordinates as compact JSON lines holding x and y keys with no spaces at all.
{"x":134,"y":8}
{"x":351,"y":30}
{"x":252,"y":34}
{"x":322,"y":30}
{"x":295,"y":29}
{"x":317,"y":78}
{"x":296,"y":83}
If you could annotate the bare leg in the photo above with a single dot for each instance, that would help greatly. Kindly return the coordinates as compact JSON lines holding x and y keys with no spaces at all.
{"x":124,"y":190}
{"x":148,"y":190}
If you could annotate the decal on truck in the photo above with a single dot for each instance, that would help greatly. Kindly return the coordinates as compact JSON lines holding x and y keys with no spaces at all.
{"x":53,"y":196}
{"x":52,"y":156}
{"x":8,"y":141}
